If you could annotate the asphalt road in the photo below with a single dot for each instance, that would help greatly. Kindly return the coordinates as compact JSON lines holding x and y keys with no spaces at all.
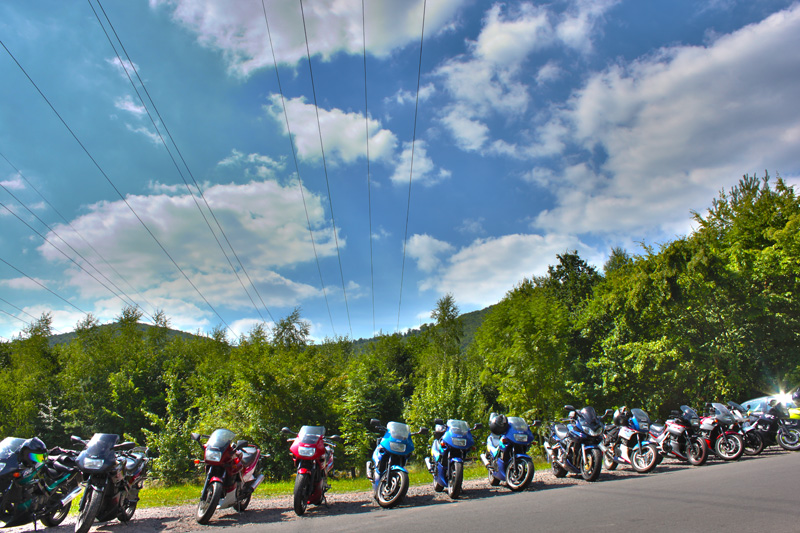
{"x":753,"y":494}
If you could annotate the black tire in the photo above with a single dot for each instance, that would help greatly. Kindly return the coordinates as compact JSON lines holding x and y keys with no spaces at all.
{"x":590,"y":470}
{"x":455,"y":481}
{"x":301,"y":493}
{"x":128,"y":508}
{"x":753,"y":443}
{"x":209,"y":503}
{"x":519,"y":474}
{"x":392,"y":488}
{"x":729,"y":447}
{"x":90,"y":505}
{"x":558,"y":470}
{"x":697,"y":451}
{"x":493,"y":481}
{"x":789,"y":439}
{"x":242,"y":503}
{"x":609,"y":463}
{"x":57,"y":515}
{"x":644,"y":458}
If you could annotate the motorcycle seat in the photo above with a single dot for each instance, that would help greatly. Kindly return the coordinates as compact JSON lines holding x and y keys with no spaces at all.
{"x":561,"y":431}
{"x":249,"y":455}
{"x":656,"y":428}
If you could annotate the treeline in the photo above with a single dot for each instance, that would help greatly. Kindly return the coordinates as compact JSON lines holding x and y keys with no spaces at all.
{"x":710,"y":316}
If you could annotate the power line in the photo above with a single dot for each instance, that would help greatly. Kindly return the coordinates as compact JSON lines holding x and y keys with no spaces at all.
{"x":411,"y":171}
{"x":325,"y":168}
{"x":67,"y":222}
{"x":42,"y":285}
{"x":297,"y":168}
{"x":23,"y":312}
{"x":96,"y":164}
{"x":369,"y":191}
{"x":196,"y":184}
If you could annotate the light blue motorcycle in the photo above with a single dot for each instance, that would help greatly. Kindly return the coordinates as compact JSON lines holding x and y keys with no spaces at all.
{"x":506,"y":456}
{"x":451,"y":444}
{"x":387,"y":469}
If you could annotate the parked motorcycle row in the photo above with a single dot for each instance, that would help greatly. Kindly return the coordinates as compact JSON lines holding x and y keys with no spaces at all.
{"x":37,"y":485}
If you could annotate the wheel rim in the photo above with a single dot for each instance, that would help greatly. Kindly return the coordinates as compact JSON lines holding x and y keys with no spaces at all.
{"x":390,"y":485}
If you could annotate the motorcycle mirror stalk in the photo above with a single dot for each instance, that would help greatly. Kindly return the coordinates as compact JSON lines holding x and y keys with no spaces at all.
{"x":422,"y":431}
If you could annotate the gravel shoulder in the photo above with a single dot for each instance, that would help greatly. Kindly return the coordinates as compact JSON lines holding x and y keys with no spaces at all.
{"x":180,"y":519}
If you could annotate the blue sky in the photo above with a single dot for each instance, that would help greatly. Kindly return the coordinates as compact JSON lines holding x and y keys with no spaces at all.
{"x":540,"y":128}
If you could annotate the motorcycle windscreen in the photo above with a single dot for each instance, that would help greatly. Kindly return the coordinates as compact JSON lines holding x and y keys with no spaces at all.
{"x":723,"y":413}
{"x":310,"y":434}
{"x":457,"y":427}
{"x":398,"y":430}
{"x":588,"y":413}
{"x":688,"y":412}
{"x":517,"y":423}
{"x":101,"y":444}
{"x":8,"y":453}
{"x":220,"y":439}
{"x":640,"y":419}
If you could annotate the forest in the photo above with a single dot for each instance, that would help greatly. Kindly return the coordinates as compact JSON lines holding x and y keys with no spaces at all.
{"x":714,"y":315}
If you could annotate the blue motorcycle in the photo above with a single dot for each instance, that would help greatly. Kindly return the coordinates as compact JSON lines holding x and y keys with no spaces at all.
{"x":627,"y":441}
{"x":573,"y":444}
{"x":451,"y":444}
{"x":506,"y":456}
{"x":387,"y":470}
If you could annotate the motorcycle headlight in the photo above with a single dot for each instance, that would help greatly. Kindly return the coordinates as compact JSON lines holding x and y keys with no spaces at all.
{"x":2,"y":466}
{"x":644,"y":426}
{"x":306,"y":451}
{"x":595,"y":431}
{"x":213,"y":456}
{"x":520,"y":437}
{"x":695,"y":422}
{"x":397,"y":447}
{"x":93,"y":463}
{"x":459,"y":442}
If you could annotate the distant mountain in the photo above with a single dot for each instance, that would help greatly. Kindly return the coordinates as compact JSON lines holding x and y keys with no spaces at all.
{"x":66,"y":338}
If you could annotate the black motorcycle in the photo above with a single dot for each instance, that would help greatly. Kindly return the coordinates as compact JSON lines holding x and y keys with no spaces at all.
{"x":575,"y":446}
{"x":34,"y":486}
{"x":114,"y":475}
{"x":680,"y":437}
{"x":768,"y":429}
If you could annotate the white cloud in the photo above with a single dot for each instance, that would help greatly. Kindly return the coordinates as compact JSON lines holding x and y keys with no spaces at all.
{"x":14,"y":184}
{"x":149,"y":134}
{"x":343,"y":134}
{"x":426,"y":250}
{"x":257,"y":165}
{"x":480,"y":274}
{"x":679,"y":126}
{"x":424,"y":170}
{"x":127,"y":104}
{"x":403,"y":97}
{"x":239,"y":31}
{"x":25,"y":283}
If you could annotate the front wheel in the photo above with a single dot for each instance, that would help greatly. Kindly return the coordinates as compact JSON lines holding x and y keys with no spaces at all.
{"x":90,"y":505}
{"x":590,"y":468}
{"x":57,"y":515}
{"x":753,"y":443}
{"x":456,"y":478}
{"x":608,"y":460}
{"x":729,"y":447}
{"x":392,"y":488}
{"x":519,"y":474}
{"x":208,"y":502}
{"x":301,"y":493}
{"x":644,"y":458}
{"x":697,"y":451}
{"x":789,"y":439}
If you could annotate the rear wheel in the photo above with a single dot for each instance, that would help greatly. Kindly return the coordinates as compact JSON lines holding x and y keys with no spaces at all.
{"x":128,"y":508}
{"x":301,"y":493}
{"x":392,"y":488}
{"x":519,"y":474}
{"x":753,"y":443}
{"x":208,"y":502}
{"x":590,"y":468}
{"x":455,"y":481}
{"x":90,"y":505}
{"x":608,"y":460}
{"x":644,"y":458}
{"x":558,"y":470}
{"x":57,"y":515}
{"x":789,"y":439}
{"x":729,"y":447}
{"x":697,"y":450}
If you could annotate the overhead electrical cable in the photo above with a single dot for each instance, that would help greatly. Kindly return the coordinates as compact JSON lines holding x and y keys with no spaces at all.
{"x":24,"y":312}
{"x":42,"y":285}
{"x":297,"y":168}
{"x":369,"y":191}
{"x":325,"y":167}
{"x":411,"y":171}
{"x":188,"y":188}
{"x":67,"y":222}
{"x":113,"y":186}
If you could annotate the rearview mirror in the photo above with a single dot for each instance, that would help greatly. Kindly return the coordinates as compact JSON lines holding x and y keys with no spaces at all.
{"x":568,"y":408}
{"x":287,"y":431}
{"x":423,"y":431}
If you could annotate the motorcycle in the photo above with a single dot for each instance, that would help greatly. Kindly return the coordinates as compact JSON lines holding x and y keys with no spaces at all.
{"x":387,"y":469}
{"x":114,"y":474}
{"x":34,"y":486}
{"x":231,"y":473}
{"x":506,"y":457}
{"x":451,"y":444}
{"x":312,"y":454}
{"x":680,"y":437}
{"x":627,"y":441}
{"x":718,"y":428}
{"x":574,"y":446}
{"x":753,"y":442}
{"x":770,"y":429}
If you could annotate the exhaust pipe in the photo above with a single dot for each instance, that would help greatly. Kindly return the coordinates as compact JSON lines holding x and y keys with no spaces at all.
{"x":257,"y":482}
{"x":485,"y":460}
{"x":71,"y":496}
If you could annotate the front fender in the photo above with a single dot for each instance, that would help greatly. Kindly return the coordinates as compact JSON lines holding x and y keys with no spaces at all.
{"x":398,"y":467}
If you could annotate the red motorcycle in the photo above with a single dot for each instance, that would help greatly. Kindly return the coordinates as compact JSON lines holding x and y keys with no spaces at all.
{"x":312,"y":454}
{"x":720,"y":430}
{"x":231,"y":473}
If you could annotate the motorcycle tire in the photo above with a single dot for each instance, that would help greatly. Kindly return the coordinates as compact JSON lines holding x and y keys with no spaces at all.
{"x":90,"y":505}
{"x":128,"y":508}
{"x":729,"y":447}
{"x":644,"y":458}
{"x":608,"y":462}
{"x":209,"y":503}
{"x":558,"y":470}
{"x":789,"y":439}
{"x":493,"y":481}
{"x":242,"y":502}
{"x":455,"y":481}
{"x":519,"y":474}
{"x":697,"y":451}
{"x":753,"y":443}
{"x":590,"y":470}
{"x":301,"y":493}
{"x":392,"y":488}
{"x":57,"y":515}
